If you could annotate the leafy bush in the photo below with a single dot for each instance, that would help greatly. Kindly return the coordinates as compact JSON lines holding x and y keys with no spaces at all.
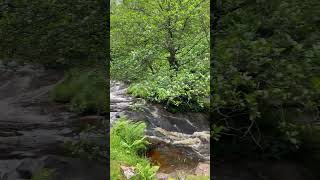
{"x":178,"y":91}
{"x":85,"y":90}
{"x":282,"y":141}
{"x":265,"y":60}
{"x":127,"y":147}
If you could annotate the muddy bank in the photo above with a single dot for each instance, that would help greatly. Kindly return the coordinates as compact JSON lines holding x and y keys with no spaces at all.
{"x":33,"y":128}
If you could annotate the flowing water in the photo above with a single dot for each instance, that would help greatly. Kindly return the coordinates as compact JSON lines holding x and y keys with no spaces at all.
{"x":179,"y":141}
{"x":33,"y":129}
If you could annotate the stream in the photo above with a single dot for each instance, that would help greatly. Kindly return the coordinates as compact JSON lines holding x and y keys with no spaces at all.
{"x":33,"y":129}
{"x":179,"y":141}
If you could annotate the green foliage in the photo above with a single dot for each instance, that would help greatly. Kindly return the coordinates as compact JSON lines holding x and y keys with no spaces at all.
{"x":131,"y":135}
{"x":146,"y":172}
{"x":138,"y":105}
{"x":84,"y":89}
{"x":266,"y":56}
{"x":162,"y":48}
{"x":86,"y":149}
{"x":180,"y":92}
{"x":127,"y":146}
{"x":90,"y":145}
{"x":44,"y":174}
{"x":54,"y":33}
{"x":284,"y":140}
{"x":216,"y":132}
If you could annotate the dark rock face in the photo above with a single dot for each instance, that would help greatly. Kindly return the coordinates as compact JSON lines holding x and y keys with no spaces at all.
{"x":32,"y":128}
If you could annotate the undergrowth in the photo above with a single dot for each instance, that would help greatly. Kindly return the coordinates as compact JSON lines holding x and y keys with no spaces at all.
{"x":177,"y":91}
{"x":85,"y":90}
{"x":128,"y":147}
{"x":90,"y":145}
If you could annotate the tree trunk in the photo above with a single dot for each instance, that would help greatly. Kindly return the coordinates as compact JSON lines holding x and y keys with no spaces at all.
{"x":173,"y":60}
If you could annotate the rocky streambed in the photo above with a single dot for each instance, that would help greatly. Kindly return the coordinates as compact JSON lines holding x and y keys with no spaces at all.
{"x":180,"y":142}
{"x":33,"y":129}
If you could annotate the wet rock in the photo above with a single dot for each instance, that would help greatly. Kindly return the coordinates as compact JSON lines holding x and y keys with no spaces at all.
{"x":127,"y":172}
{"x":203,"y":169}
{"x":195,"y":146}
{"x":114,"y":116}
{"x":91,"y":120}
{"x":66,"y":131}
{"x":66,"y":168}
{"x":12,"y":64}
{"x":119,"y":100}
{"x":26,"y":70}
{"x":63,"y":168}
{"x":157,"y":116}
{"x":178,"y":140}
{"x":163,"y":176}
{"x":28,"y":167}
{"x":94,"y":138}
{"x":9,"y":133}
{"x":32,"y":127}
{"x":7,"y":169}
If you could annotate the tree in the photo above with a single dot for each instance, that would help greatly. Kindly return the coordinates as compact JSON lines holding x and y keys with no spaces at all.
{"x":265,"y":61}
{"x":164,"y":47}
{"x":55,"y":33}
{"x":167,"y":30}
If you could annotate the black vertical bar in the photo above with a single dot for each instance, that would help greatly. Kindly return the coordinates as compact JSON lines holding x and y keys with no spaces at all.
{"x":107,"y":61}
{"x":213,"y":27}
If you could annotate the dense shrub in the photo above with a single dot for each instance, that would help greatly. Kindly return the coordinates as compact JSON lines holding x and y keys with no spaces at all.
{"x":182,"y":91}
{"x":266,"y":56}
